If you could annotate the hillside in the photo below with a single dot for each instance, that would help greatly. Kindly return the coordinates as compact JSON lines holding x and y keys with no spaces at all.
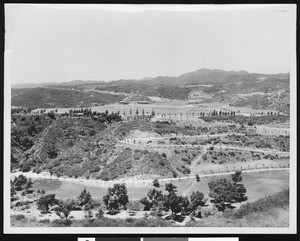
{"x":84,"y":147}
{"x":160,"y":90}
{"x":60,"y":98}
{"x":238,"y":88}
{"x":79,"y":147}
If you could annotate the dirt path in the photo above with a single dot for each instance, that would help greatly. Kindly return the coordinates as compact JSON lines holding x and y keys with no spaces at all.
{"x":217,"y":146}
{"x":135,"y":182}
{"x":192,"y":185}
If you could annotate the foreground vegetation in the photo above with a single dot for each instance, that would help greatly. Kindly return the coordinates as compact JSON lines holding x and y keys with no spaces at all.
{"x":271,"y":211}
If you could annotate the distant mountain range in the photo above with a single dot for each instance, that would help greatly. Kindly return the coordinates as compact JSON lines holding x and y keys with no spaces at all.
{"x":237,"y":88}
{"x":201,"y":76}
{"x":70,"y":83}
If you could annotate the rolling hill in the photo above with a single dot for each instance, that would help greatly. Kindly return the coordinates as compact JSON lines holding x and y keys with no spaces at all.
{"x":238,"y":88}
{"x":60,"y":98}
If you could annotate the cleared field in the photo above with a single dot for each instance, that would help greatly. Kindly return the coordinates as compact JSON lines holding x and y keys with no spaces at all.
{"x":258,"y":185}
{"x":170,"y":107}
{"x":160,"y":108}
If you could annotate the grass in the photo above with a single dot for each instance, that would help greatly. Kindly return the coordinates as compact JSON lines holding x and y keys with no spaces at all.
{"x":270,"y":211}
{"x":258,"y":185}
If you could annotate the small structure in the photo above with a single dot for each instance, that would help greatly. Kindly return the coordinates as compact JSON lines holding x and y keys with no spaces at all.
{"x":144,"y":102}
{"x":124,"y":102}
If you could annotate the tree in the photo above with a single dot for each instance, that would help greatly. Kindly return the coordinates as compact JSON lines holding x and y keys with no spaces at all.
{"x":197,"y":202}
{"x":20,"y":182}
{"x":176,"y":204}
{"x":84,"y":197}
{"x":170,"y":188}
{"x":147,"y":203}
{"x":184,"y":203}
{"x":28,"y":185}
{"x":157,"y":211}
{"x":224,"y":193}
{"x":116,"y":198}
{"x":155,"y":183}
{"x":174,"y":174}
{"x":51,"y":115}
{"x":100,"y":214}
{"x":12,"y":191}
{"x":172,"y":203}
{"x":45,"y":201}
{"x":152,"y":113}
{"x":88,"y":209}
{"x":64,"y":208}
{"x":153,"y":199}
{"x":236,"y":177}
{"x":239,"y":188}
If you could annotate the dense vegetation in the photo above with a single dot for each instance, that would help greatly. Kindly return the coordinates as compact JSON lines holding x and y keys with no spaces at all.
{"x":64,"y":146}
{"x":158,"y":206}
{"x":60,"y":98}
{"x":245,"y":120}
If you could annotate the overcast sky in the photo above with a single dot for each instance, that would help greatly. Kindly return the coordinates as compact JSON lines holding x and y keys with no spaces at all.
{"x":46,"y":43}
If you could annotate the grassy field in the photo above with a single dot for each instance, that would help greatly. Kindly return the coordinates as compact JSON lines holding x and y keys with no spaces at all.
{"x":172,"y":107}
{"x":258,"y":185}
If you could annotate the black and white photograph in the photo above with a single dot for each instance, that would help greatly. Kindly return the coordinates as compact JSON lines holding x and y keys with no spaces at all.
{"x":124,"y":118}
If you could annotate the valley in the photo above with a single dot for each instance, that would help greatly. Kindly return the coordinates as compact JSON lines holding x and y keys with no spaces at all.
{"x":163,"y":150}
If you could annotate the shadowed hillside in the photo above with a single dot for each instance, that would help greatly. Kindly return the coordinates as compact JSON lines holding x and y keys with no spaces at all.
{"x":59,"y":98}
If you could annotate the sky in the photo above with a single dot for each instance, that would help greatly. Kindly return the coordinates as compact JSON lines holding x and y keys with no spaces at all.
{"x":57,"y":43}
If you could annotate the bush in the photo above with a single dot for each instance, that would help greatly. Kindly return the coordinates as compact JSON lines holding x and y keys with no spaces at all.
{"x":19,"y":217}
{"x":208,"y":211}
{"x":47,"y":220}
{"x":161,"y":162}
{"x":174,"y":174}
{"x":25,"y":168}
{"x":61,"y":223}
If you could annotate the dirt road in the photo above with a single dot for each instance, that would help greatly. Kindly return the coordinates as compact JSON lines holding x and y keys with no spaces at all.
{"x":135,"y":182}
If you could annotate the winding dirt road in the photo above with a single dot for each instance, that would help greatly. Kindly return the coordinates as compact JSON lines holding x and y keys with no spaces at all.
{"x":136,"y":182}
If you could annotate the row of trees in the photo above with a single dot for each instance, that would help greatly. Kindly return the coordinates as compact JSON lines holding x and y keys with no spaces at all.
{"x":16,"y":111}
{"x":137,"y":112}
{"x":202,"y":114}
{"x":265,"y":113}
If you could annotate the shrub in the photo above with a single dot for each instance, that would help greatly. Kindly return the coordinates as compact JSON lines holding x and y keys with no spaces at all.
{"x":208,"y":211}
{"x":155,"y":183}
{"x":161,"y":162}
{"x":47,"y":220}
{"x":19,"y":217}
{"x":61,"y":223}
{"x":174,"y":174}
